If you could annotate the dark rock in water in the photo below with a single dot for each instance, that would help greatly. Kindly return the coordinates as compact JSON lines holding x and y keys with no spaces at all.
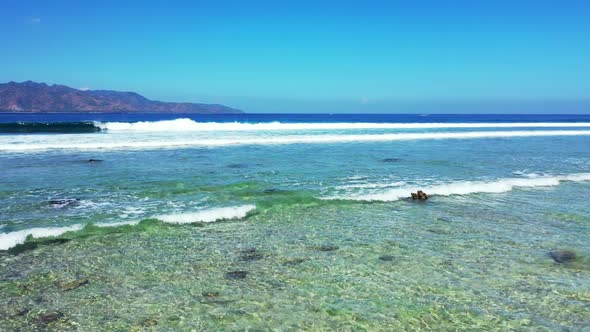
{"x":562,"y":256}
{"x":57,"y":241}
{"x":249,"y":257}
{"x":63,"y":202}
{"x":326,"y":248}
{"x":95,"y":160}
{"x":391,"y":160}
{"x":438,"y":231}
{"x":213,"y":298}
{"x":387,"y":258}
{"x":50,"y":317}
{"x":237,"y":166}
{"x":23,"y":312}
{"x":420,"y":195}
{"x":295,"y":261}
{"x":236,"y":275}
{"x":250,"y":254}
{"x":73,"y":284}
{"x":210,"y":295}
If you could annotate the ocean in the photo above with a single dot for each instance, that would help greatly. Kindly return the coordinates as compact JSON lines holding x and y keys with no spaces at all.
{"x":294,"y":222}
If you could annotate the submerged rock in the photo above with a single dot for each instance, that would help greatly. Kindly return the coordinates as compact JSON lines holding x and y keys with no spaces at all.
{"x":387,"y":258}
{"x":250,"y":254}
{"x":438,"y":231}
{"x":420,"y":195}
{"x":73,"y":284}
{"x":210,"y":295}
{"x":214,"y":298}
{"x":149,"y":322}
{"x":251,"y":257}
{"x":237,"y":166}
{"x":236,"y":275}
{"x":50,"y":317}
{"x":562,"y":256}
{"x":57,"y":241}
{"x":326,"y":248}
{"x":23,"y":312}
{"x":63,"y":202}
{"x":295,"y":261}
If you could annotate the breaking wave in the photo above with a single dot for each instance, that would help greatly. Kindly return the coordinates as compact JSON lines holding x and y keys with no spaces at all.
{"x":466,"y":187}
{"x":159,"y":143}
{"x":9,"y":240}
{"x":191,"y":125}
{"x":208,"y":215}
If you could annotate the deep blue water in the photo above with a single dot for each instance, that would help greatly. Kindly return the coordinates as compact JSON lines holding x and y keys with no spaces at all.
{"x":378,"y":118}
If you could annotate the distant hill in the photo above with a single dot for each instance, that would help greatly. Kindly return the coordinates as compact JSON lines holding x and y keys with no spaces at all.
{"x":42,"y":98}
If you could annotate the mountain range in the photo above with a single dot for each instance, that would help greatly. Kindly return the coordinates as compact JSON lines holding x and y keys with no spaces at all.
{"x":35,"y":97}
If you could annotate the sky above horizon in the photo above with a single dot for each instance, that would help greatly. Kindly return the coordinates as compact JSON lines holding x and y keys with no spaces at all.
{"x":309,"y":56}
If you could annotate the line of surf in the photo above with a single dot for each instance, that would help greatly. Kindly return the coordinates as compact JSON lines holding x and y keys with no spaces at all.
{"x":159,"y":143}
{"x":191,"y":125}
{"x":208,"y":215}
{"x":466,"y":187}
{"x":11,"y":239}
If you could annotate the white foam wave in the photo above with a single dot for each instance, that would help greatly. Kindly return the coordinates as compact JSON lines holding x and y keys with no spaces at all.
{"x":370,"y":185}
{"x":185,"y":124}
{"x":9,"y":240}
{"x":117,"y":223}
{"x":208,"y":215}
{"x":467,"y":187}
{"x":160,"y":143}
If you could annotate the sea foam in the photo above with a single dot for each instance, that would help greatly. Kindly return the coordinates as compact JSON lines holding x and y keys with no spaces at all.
{"x":9,"y":240}
{"x":208,"y":215}
{"x":191,"y":125}
{"x":466,"y":187}
{"x":159,"y":143}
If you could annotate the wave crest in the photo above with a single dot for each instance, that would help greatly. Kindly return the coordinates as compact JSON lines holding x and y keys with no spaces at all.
{"x":185,"y":124}
{"x":467,"y":187}
{"x":159,"y":143}
{"x":208,"y":215}
{"x":9,"y":240}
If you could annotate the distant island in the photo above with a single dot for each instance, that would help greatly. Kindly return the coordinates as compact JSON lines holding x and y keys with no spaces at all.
{"x":32,"y":97}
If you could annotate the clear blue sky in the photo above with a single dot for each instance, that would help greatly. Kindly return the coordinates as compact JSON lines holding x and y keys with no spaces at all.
{"x":305,"y":56}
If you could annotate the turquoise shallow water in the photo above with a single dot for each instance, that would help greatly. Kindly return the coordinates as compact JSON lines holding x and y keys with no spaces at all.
{"x":313,"y":235}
